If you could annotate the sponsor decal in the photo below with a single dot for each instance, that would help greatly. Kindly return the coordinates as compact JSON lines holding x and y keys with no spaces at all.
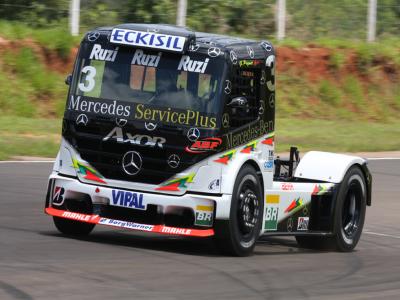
{"x":269,"y":139}
{"x":82,"y":119}
{"x":214,"y":185}
{"x":302,"y":223}
{"x":127,"y":199}
{"x":131,"y":162}
{"x":249,"y":133}
{"x":287,"y":186}
{"x":271,"y":212}
{"x":261,"y":109}
{"x":250,"y":147}
{"x":58,"y":196}
{"x":175,"y":185}
{"x":246,"y":63}
{"x":271,"y":100}
{"x":190,"y":65}
{"x":93,"y":36}
{"x":193,"y":134}
{"x":88,"y":172}
{"x":250,"y":51}
{"x":262,"y":79}
{"x":228,"y":87}
{"x":147,"y":39}
{"x":193,"y":47}
{"x":214,"y":51}
{"x":98,"y":53}
{"x":266,"y":46}
{"x":233,"y":57}
{"x":289,"y":224}
{"x":150,"y":126}
{"x":203,"y":218}
{"x":121,"y":122}
{"x":204,"y":145}
{"x":319,"y":190}
{"x":175,"y":230}
{"x":140,"y":140}
{"x":173,"y":161}
{"x":224,"y":159}
{"x":225,"y":120}
{"x":305,"y":210}
{"x":98,"y":107}
{"x":294,"y":205}
{"x":124,"y":224}
{"x":141,"y":59}
{"x":78,"y":216}
{"x":269,"y":165}
{"x":188,"y":117}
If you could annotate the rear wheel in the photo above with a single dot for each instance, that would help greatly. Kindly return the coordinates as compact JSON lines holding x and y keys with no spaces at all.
{"x":238,"y":235}
{"x":349,"y":215}
{"x":71,"y":227}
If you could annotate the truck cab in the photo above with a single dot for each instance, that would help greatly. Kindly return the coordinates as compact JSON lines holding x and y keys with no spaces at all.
{"x":171,"y":131}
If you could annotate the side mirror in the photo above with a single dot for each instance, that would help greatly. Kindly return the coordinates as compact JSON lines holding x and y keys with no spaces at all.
{"x":68,"y":79}
{"x":238,"y":102}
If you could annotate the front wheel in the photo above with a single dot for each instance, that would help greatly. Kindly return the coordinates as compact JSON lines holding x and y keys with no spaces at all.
{"x":71,"y":227}
{"x":237,"y":236}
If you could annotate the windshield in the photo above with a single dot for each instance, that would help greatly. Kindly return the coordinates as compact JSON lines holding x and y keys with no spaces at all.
{"x":149,"y":78}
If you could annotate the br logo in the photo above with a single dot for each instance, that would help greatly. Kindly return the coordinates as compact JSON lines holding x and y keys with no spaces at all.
{"x":271,"y":214}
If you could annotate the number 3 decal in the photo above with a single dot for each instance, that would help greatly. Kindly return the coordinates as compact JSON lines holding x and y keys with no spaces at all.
{"x":270,"y":62}
{"x":89,"y":79}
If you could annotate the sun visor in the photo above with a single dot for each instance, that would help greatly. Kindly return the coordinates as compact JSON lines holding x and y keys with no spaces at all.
{"x":172,"y":39}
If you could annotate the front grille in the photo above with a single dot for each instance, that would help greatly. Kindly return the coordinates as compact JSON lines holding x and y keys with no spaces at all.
{"x":106,"y":156}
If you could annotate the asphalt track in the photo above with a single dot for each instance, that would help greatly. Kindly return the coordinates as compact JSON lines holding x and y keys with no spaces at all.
{"x":36,"y":262}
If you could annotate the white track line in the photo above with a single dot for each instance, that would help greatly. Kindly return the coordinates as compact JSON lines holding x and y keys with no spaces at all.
{"x":383,"y":158}
{"x":25,"y":161}
{"x":382,"y":234}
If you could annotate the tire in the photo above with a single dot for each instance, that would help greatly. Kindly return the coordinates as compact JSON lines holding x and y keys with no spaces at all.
{"x":71,"y":227}
{"x":239,"y":234}
{"x":349,"y":211}
{"x":348,"y":218}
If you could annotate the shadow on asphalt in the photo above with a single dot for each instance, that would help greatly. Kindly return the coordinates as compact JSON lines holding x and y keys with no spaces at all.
{"x":184,"y":245}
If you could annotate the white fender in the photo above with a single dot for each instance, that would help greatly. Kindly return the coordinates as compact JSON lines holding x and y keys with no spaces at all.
{"x":326,"y":166}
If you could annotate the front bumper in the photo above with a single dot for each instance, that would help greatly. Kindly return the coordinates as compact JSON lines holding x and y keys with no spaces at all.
{"x":187,"y":215}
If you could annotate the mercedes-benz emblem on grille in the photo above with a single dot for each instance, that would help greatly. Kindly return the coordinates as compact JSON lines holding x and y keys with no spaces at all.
{"x":93,"y":36}
{"x":193,"y":134}
{"x":225,"y":120}
{"x":82,"y":119}
{"x":250,"y":51}
{"x":150,"y":126}
{"x":173,"y":161}
{"x":132,"y":162}
{"x":121,"y":122}
{"x":214,"y":51}
{"x":233,"y":57}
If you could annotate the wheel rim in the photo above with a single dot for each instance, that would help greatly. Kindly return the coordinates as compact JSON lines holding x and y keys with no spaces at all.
{"x":352,"y":210}
{"x":248,"y":209}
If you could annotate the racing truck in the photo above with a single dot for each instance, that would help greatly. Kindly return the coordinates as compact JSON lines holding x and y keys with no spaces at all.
{"x":171,"y":131}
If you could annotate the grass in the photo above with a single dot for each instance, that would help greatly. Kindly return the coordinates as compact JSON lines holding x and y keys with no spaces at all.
{"x":41,"y":137}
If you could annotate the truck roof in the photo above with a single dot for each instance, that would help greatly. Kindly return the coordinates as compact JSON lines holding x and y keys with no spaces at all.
{"x":222,"y":41}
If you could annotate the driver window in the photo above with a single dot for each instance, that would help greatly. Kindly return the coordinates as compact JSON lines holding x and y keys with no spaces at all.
{"x":245,"y":83}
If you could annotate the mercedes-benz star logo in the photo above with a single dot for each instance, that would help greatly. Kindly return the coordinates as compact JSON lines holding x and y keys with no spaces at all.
{"x":225,"y":120}
{"x":121,"y":122}
{"x":266,"y":46}
{"x":290,"y":224}
{"x":272,"y":100}
{"x":194,"y":47}
{"x":93,"y":36}
{"x":228,"y":87}
{"x":261,"y":109}
{"x":82,"y":119}
{"x":132,"y":162}
{"x":250,"y":51}
{"x":150,"y":126}
{"x":233,"y":57}
{"x":262,"y":80}
{"x":193,"y":134}
{"x":214,"y":51}
{"x":173,"y":161}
